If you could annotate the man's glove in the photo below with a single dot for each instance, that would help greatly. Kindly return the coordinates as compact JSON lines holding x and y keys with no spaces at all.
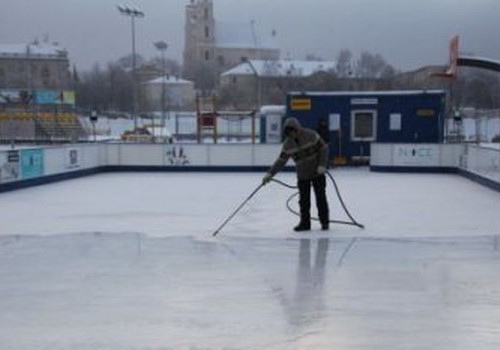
{"x":266,"y":179}
{"x":321,"y":170}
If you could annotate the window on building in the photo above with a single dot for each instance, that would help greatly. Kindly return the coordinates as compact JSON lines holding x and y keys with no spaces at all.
{"x":395,"y":121}
{"x":207,"y":55}
{"x":2,"y":78}
{"x":45,"y":75}
{"x":206,"y":13}
{"x":207,"y":32}
{"x":363,"y":125}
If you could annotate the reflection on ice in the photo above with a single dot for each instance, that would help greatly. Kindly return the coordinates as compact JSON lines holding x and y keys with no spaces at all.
{"x":90,"y":291}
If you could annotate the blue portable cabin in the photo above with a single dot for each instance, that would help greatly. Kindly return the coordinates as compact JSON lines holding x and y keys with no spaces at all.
{"x":356,"y":119}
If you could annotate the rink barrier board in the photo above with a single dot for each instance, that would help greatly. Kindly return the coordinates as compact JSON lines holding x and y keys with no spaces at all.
{"x":484,"y":181}
{"x":26,"y":167}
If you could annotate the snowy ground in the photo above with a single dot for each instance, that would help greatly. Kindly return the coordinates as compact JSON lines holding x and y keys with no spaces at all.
{"x":128,"y":261}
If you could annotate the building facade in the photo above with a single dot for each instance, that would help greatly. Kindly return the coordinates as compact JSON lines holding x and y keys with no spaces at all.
{"x":179,"y":94}
{"x":36,"y":99}
{"x":356,"y":119}
{"x":34,"y":66}
{"x":254,"y":83}
{"x":219,"y":45}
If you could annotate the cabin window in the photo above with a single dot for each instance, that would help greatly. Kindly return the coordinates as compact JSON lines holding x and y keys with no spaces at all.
{"x":395,"y":122}
{"x":363,"y":125}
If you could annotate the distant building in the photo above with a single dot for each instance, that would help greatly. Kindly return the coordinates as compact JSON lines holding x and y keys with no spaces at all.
{"x":276,"y":69}
{"x":219,"y":45}
{"x":267,"y":81}
{"x":36,"y":100}
{"x":34,"y":66}
{"x":422,"y":78}
{"x":356,"y":119}
{"x":179,"y":93}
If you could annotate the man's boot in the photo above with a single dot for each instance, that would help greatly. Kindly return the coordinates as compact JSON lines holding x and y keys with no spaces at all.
{"x":303,"y":226}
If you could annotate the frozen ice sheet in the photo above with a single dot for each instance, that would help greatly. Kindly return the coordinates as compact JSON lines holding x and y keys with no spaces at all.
{"x":127,"y":261}
{"x":195,"y":204}
{"x":130,"y":291}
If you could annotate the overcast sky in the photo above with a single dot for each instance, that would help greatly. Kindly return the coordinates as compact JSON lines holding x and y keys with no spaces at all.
{"x":408,"y":34}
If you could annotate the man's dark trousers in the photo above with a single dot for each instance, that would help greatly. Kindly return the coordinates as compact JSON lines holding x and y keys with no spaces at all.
{"x":319,"y":186}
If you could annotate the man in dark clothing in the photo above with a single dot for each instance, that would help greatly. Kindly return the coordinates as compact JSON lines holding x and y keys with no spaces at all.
{"x":310,"y":154}
{"x":322,"y":130}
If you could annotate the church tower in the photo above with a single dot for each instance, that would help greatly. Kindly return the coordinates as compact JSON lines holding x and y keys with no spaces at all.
{"x":199,"y":34}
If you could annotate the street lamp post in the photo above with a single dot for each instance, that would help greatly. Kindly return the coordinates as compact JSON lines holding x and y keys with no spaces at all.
{"x":133,"y":13}
{"x":93,"y":120}
{"x":258,"y":88}
{"x":162,"y":47}
{"x":258,"y":91}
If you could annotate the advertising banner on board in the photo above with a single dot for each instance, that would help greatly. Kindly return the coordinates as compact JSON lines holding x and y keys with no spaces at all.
{"x":31,"y":163}
{"x":9,"y":166}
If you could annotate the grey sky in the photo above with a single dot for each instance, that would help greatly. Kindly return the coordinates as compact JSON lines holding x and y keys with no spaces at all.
{"x":408,"y":34}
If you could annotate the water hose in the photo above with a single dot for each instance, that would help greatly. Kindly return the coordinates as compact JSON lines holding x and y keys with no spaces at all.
{"x":353,"y":221}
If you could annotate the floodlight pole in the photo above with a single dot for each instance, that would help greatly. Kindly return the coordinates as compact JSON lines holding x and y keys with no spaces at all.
{"x":162,"y":47}
{"x":133,"y":13}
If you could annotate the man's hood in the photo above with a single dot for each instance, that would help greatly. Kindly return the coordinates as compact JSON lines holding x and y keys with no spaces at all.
{"x":292,"y":123}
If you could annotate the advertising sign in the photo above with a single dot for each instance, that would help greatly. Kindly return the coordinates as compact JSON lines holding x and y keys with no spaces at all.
{"x":9,"y":166}
{"x":334,"y":121}
{"x":72,"y":158}
{"x":416,"y":155}
{"x":31,"y":163}
{"x":48,"y":97}
{"x":273,"y":128}
{"x":301,"y":104}
{"x":15,"y":97}
{"x":44,"y":97}
{"x":176,"y":156}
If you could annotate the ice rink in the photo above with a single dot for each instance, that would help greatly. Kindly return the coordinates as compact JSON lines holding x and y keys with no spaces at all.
{"x":127,"y":261}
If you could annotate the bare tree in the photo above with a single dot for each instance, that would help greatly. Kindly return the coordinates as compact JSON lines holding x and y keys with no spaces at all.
{"x":344,"y":64}
{"x":372,"y":66}
{"x":477,"y":88}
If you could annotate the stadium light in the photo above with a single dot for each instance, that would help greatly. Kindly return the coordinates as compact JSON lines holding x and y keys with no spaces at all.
{"x":132,"y":13}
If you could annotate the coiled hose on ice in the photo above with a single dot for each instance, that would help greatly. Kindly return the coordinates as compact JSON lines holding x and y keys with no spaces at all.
{"x":353,"y":221}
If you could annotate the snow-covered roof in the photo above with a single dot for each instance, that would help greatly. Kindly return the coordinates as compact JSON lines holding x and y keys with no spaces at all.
{"x":169,"y":80}
{"x":366,"y":93}
{"x":273,"y":109}
{"x":281,"y":68}
{"x":237,"y":35}
{"x":480,"y":58}
{"x":34,"y":50}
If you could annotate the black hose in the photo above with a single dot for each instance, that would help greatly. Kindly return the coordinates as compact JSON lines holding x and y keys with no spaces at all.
{"x":353,"y":222}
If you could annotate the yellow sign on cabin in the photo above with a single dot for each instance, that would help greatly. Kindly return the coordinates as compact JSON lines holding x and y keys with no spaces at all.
{"x":426,"y":112}
{"x":301,"y":104}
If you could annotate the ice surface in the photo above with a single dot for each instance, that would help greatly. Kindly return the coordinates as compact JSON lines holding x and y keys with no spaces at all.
{"x":127,"y":261}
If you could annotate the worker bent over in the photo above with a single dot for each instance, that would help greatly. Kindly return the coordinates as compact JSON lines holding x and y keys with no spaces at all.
{"x":310,"y":154}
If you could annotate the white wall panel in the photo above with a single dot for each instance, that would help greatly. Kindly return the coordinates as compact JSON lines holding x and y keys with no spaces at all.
{"x":414,"y":155}
{"x":265,"y":155}
{"x":141,"y":154}
{"x":69,"y":158}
